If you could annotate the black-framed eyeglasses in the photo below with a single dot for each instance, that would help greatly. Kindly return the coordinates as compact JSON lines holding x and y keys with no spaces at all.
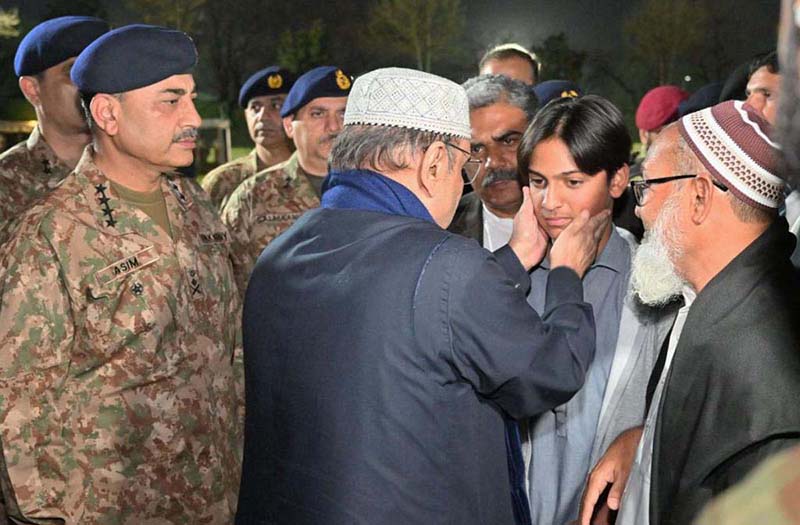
{"x":640,"y":187}
{"x":471,"y":169}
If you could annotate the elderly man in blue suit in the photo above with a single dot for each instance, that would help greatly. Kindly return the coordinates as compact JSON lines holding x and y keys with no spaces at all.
{"x":382,"y":352}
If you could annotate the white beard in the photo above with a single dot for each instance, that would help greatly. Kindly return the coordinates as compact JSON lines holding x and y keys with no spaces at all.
{"x":654,"y":279}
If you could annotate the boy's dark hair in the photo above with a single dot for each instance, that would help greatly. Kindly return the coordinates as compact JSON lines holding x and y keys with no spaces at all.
{"x":592,"y":128}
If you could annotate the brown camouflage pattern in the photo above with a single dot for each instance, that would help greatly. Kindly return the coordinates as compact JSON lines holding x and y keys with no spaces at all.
{"x":263,"y":207}
{"x":220,"y":182}
{"x":770,"y":495}
{"x":28,"y":171}
{"x":120,"y":362}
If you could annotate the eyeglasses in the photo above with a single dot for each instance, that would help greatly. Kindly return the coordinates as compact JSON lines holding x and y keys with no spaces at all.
{"x":471,"y":169}
{"x":640,"y":187}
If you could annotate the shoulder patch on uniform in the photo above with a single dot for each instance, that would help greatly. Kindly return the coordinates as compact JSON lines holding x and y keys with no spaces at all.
{"x":125,"y":266}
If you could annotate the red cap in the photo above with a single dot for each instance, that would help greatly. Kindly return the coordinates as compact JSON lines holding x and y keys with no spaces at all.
{"x":659,"y":107}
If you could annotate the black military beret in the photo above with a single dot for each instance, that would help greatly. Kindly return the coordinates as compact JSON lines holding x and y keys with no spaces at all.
{"x":131,"y":57}
{"x":703,"y":98}
{"x":56,"y":40}
{"x":272,"y":80}
{"x":323,"y":81}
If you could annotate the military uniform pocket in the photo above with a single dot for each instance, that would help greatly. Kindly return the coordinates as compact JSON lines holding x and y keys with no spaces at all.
{"x":119,"y":321}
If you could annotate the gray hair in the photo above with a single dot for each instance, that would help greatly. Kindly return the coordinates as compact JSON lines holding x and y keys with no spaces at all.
{"x":485,"y":90}
{"x":381,"y":148}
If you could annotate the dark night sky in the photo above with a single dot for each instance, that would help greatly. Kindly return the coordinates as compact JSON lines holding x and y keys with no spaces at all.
{"x":590,"y":24}
{"x":598,"y":25}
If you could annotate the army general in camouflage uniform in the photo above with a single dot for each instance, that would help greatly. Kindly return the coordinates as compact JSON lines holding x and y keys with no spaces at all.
{"x":120,"y":378}
{"x":32,"y":168}
{"x":265,"y":205}
{"x":261,"y":97}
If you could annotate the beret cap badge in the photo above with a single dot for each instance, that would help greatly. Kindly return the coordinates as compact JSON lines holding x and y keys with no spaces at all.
{"x":275,"y":81}
{"x":341,"y":80}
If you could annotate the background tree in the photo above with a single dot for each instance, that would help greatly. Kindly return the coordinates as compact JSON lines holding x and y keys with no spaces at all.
{"x":179,"y":14}
{"x":417,"y":30}
{"x":56,"y":8}
{"x":303,"y":49}
{"x":231,"y":42}
{"x":559,"y":61}
{"x":9,"y":40}
{"x":9,"y":23}
{"x":666,"y":34}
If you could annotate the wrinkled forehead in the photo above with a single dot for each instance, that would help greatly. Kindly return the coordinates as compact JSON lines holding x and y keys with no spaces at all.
{"x":178,"y":85}
{"x":660,"y":152}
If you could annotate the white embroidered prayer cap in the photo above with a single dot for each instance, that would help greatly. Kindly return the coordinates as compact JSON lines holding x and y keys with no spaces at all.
{"x":733,"y":142}
{"x":408,"y":98}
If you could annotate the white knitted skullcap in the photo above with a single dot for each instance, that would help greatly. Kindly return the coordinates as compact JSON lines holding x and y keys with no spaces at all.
{"x":411,"y":99}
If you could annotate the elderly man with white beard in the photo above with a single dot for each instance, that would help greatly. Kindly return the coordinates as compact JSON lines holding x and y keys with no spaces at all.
{"x":724,"y":395}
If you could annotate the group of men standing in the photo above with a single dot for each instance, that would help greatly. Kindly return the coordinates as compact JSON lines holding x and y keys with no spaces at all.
{"x":397,"y":371}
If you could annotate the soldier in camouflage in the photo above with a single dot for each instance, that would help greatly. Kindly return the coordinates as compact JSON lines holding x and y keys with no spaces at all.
{"x":261,"y":97}
{"x":265,"y":205}
{"x":32,"y":168}
{"x":770,"y":495}
{"x":120,"y":369}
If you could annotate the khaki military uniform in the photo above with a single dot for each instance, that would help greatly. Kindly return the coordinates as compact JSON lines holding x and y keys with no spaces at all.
{"x":222,"y":180}
{"x":261,"y":208}
{"x":28,"y":171}
{"x":120,"y":369}
{"x":770,"y":495}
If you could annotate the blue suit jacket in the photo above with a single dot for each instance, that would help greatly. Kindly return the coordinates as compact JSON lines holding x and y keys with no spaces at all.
{"x":380,"y":352}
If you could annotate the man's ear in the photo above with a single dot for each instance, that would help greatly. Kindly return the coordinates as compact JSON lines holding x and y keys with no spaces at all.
{"x":106,"y":111}
{"x":287,"y":126}
{"x":30,"y":89}
{"x":433,"y":168}
{"x":644,"y":138}
{"x":619,"y":181}
{"x":702,"y":195}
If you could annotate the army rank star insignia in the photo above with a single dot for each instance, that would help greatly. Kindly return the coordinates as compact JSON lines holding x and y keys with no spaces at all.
{"x":102,"y":198}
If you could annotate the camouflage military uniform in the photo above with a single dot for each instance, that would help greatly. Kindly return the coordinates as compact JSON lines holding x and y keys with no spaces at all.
{"x":120,"y":374}
{"x":28,"y":171}
{"x":770,"y":495}
{"x":261,"y":208}
{"x":221,"y":181}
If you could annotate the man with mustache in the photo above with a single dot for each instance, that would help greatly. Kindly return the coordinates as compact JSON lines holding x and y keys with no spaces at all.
{"x":500,"y":109}
{"x":120,"y":377}
{"x":265,"y":205}
{"x":43,"y":60}
{"x":261,"y":98}
{"x":722,"y":396}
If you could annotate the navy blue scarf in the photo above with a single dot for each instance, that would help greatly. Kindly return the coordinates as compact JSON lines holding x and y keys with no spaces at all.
{"x":371,"y":191}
